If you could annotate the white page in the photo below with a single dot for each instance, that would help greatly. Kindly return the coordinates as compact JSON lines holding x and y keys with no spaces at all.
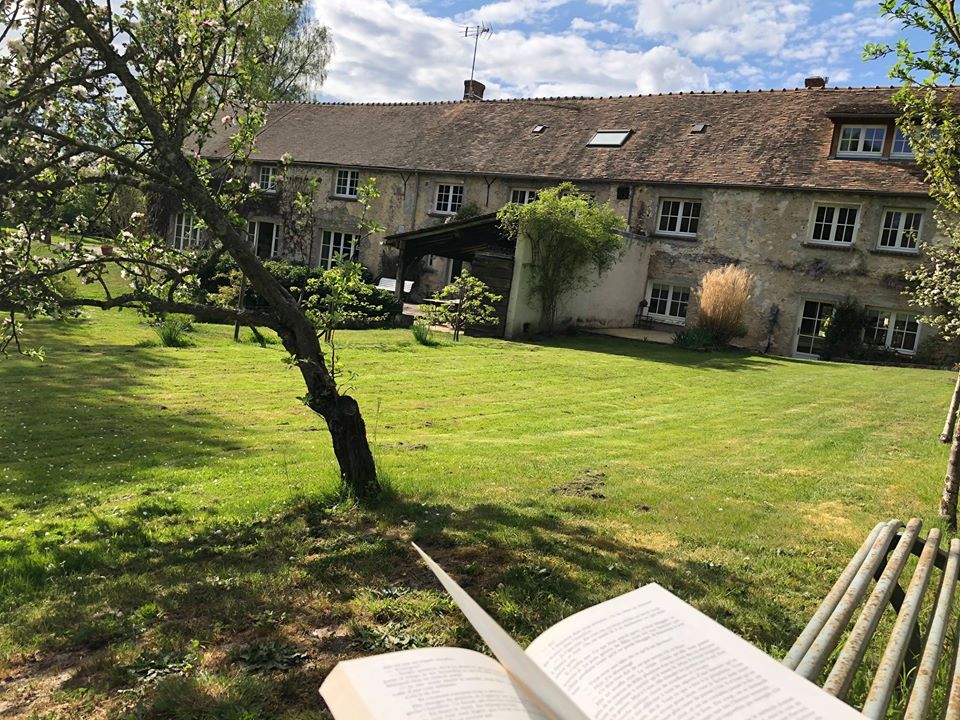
{"x":510,"y":655}
{"x":426,"y":684}
{"x":647,"y":655}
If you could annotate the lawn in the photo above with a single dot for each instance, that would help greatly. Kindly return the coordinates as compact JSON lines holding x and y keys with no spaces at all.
{"x":172,"y":543}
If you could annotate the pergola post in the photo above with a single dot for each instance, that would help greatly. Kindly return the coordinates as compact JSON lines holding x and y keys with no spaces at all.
{"x":401,"y":271}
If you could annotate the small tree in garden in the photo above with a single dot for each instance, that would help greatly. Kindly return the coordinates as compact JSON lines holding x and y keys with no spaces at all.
{"x":465,"y":301}
{"x":722,"y":297}
{"x":570,"y":235}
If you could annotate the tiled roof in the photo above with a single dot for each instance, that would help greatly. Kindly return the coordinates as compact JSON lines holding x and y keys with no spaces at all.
{"x":777,"y":139}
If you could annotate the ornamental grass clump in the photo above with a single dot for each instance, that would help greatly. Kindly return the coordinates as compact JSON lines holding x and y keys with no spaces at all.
{"x":722,"y":296}
{"x":172,"y":332}
{"x":423,"y":333}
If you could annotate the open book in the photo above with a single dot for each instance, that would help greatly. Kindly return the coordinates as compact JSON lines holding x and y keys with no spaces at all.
{"x":645,"y":655}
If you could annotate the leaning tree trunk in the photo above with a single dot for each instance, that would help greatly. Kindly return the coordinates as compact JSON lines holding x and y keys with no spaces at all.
{"x":951,"y":483}
{"x":948,"y":501}
{"x":349,"y":434}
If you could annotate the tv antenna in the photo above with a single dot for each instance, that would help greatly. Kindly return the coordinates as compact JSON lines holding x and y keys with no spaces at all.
{"x":476,"y":32}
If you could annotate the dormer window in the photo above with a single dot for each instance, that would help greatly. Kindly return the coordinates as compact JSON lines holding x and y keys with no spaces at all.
{"x":861,"y":140}
{"x":609,"y":138}
{"x":901,"y":146}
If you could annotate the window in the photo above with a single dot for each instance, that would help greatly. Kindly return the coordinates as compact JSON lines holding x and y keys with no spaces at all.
{"x":861,"y":140}
{"x":609,"y":138}
{"x":268,"y":178}
{"x":834,"y":224}
{"x":347,"y":181}
{"x":523,"y":196}
{"x":679,"y":217}
{"x":335,"y":244}
{"x":901,"y":146}
{"x":897,"y":331}
{"x":265,"y":238}
{"x":449,"y":198}
{"x":186,"y":231}
{"x":668,"y":303}
{"x":901,"y":230}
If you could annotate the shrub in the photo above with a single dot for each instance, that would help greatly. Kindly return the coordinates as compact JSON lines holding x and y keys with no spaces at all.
{"x":469,"y":210}
{"x":843,"y":330}
{"x":696,"y":338}
{"x":938,"y":351}
{"x":722,"y":296}
{"x":367,"y":306}
{"x":172,"y":331}
{"x":422,"y":332}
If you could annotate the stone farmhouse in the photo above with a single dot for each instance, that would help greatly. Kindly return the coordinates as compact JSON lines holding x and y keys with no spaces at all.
{"x":814,"y":190}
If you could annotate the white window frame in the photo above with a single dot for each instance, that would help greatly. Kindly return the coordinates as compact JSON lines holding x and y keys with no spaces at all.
{"x":351,"y":182}
{"x":529,"y":195}
{"x":609,"y":137}
{"x":449,"y":206}
{"x":898,"y":246}
{"x":267,"y":181}
{"x":684,"y":202}
{"x":907,"y":154}
{"x":673,"y":289}
{"x":859,"y":151}
{"x":893,"y":316}
{"x":186,"y":231}
{"x":834,"y":223}
{"x":253,"y":235}
{"x":340,"y":243}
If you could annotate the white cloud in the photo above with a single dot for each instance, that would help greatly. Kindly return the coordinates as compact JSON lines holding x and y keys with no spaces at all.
{"x":581,"y":25}
{"x":391,"y":50}
{"x":508,"y":12}
{"x":721,"y":29}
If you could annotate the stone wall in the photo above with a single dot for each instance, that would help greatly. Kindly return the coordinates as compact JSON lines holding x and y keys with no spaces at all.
{"x":769,"y":232}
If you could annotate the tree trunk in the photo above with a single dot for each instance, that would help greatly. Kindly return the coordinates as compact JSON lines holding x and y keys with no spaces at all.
{"x":951,"y":483}
{"x":951,"y":420}
{"x":349,"y":433}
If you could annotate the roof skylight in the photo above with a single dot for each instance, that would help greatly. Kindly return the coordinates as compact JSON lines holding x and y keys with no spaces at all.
{"x":609,"y":138}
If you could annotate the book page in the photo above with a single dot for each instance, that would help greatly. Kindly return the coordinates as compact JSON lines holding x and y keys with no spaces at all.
{"x":647,"y":655}
{"x":426,"y":684}
{"x":513,"y":658}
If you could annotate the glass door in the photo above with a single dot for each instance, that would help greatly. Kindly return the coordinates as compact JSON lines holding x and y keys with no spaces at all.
{"x":810,"y":336}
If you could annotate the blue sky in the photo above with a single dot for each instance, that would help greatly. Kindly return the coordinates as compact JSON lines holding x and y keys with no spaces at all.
{"x":389,"y":50}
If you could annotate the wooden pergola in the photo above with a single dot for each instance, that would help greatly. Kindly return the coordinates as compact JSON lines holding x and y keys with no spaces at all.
{"x":459,"y":240}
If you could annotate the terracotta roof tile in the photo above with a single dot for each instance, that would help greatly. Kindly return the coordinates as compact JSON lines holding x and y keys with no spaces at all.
{"x":777,"y":139}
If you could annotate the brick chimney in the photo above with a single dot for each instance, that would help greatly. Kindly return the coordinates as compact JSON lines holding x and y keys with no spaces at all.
{"x":815,"y":82}
{"x":473,"y":90}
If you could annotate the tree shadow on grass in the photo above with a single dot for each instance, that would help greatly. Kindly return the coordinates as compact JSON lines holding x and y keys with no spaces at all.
{"x":338,"y":583}
{"x":729,"y":360}
{"x":86,"y":417}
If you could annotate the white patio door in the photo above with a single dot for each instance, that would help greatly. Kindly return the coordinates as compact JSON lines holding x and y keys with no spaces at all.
{"x":811,"y":339}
